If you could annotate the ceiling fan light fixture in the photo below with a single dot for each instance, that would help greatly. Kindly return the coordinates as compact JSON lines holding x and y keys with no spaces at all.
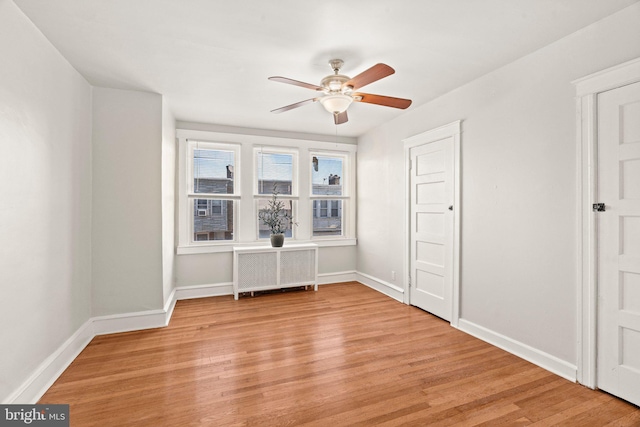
{"x":337,"y":103}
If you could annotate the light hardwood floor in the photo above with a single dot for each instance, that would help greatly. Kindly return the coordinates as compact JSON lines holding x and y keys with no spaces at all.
{"x":345,"y":355}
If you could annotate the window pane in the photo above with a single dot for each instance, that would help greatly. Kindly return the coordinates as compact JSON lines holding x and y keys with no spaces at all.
{"x":213,"y":171}
{"x":327,"y":218}
{"x":275,"y":170}
{"x":326,"y":175}
{"x":323,"y":209}
{"x":263,"y":230}
{"x":212,"y":220}
{"x":216,"y":207}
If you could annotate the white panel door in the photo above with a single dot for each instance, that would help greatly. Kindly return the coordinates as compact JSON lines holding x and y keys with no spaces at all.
{"x":432,"y":195}
{"x":618,"y":358}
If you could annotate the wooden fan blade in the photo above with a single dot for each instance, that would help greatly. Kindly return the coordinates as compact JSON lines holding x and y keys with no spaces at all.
{"x":387,"y":101}
{"x":295,"y":82}
{"x":371,"y":75}
{"x":340,"y":118}
{"x":292,"y":106}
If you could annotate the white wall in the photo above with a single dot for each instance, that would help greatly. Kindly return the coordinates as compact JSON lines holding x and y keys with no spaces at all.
{"x":127,"y":241}
{"x":518,"y":256}
{"x":168,"y":200}
{"x":45,"y":199}
{"x":336,"y":259}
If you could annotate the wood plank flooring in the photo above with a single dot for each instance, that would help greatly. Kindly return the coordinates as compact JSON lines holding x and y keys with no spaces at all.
{"x":345,"y":355}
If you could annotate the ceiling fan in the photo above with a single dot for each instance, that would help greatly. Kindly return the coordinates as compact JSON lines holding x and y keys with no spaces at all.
{"x":338,"y":91}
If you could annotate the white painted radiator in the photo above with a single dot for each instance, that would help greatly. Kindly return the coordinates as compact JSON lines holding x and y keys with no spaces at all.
{"x":262,"y":268}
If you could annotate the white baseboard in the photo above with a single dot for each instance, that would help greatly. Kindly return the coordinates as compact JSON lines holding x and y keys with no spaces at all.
{"x":386,"y":288}
{"x":169,"y":305}
{"x":127,"y":322}
{"x":338,"y":277}
{"x":203,"y":291}
{"x":52,"y":367}
{"x":533,"y":355}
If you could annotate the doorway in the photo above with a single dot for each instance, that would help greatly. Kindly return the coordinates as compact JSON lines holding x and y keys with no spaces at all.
{"x":609,"y":220}
{"x":618,"y":234}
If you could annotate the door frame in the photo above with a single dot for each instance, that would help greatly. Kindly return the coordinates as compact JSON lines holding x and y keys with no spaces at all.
{"x":587,"y":90}
{"x":451,"y":130}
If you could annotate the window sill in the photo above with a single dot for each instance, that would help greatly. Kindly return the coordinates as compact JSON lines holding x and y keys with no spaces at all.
{"x":228,"y":247}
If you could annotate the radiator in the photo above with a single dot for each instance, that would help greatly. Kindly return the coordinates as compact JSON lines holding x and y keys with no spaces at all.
{"x":263,"y":268}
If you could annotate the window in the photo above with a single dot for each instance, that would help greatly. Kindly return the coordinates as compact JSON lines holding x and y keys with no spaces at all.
{"x":335,"y":208}
{"x":322,"y":206}
{"x":216,"y":207}
{"x":212,"y":193}
{"x":223,"y":185}
{"x":275,"y":171}
{"x":327,"y":176}
{"x":212,"y":170}
{"x":263,"y":230}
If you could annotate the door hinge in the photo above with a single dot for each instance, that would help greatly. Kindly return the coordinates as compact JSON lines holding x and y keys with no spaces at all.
{"x":409,"y":280}
{"x":598,"y":207}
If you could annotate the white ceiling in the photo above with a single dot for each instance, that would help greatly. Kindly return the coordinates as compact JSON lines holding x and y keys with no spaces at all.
{"x":211,"y":58}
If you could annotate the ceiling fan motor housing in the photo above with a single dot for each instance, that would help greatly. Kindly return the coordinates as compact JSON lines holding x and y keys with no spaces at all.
{"x":335,"y":84}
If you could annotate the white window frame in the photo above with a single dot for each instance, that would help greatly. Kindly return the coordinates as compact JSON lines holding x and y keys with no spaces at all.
{"x":245,"y":195}
{"x":266,"y":196}
{"x":188,"y":196}
{"x":348,"y":175}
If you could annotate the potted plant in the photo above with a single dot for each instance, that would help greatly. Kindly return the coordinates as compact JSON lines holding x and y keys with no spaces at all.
{"x":276,"y":217}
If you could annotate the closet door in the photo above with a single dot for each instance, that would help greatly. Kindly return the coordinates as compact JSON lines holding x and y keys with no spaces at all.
{"x":618,"y":354}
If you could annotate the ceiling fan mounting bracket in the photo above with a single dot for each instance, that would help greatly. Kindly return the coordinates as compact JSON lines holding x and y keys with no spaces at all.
{"x":336,"y":64}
